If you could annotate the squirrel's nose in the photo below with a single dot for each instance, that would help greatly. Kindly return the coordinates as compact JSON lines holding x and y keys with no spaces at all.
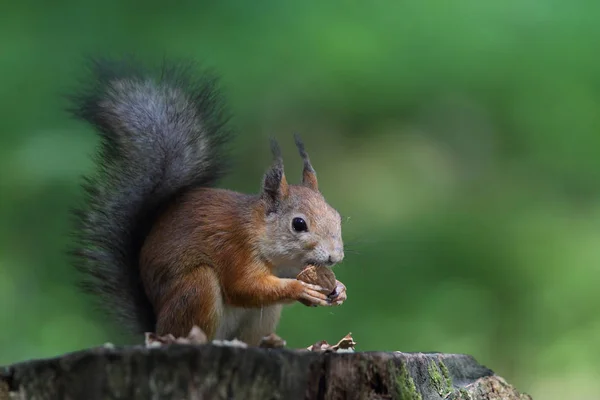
{"x":335,"y":257}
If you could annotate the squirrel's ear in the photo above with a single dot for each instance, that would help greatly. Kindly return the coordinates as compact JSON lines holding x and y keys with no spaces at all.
{"x":275,"y":187}
{"x":309,"y":176}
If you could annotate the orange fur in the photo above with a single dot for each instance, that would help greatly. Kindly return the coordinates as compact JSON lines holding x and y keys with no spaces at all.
{"x":195,"y":299}
{"x":200,"y":256}
{"x":225,"y":261}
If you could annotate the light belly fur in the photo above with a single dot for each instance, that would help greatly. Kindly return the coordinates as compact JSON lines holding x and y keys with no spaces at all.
{"x":248,"y":324}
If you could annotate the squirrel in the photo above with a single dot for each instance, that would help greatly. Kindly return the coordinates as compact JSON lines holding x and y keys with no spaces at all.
{"x":160,"y":246}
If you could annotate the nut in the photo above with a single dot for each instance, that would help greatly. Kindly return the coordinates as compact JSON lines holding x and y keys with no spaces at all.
{"x":318,"y":275}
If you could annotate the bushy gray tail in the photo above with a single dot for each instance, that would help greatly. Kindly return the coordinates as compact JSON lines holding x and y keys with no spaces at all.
{"x":162,"y":132}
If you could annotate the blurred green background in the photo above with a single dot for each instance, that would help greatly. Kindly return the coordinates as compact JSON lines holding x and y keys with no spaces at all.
{"x":461,"y":141}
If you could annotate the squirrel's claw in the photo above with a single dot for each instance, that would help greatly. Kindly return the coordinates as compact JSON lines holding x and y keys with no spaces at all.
{"x":339,"y":294}
{"x":314,"y":295}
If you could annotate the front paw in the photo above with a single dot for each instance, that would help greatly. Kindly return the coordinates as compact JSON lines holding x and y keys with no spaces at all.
{"x":314,"y":295}
{"x":339,"y":294}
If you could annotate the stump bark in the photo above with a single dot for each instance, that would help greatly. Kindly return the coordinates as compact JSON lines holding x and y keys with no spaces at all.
{"x":225,"y":372}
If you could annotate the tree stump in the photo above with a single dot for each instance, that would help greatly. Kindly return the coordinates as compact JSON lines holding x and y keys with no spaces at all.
{"x":211,"y":371}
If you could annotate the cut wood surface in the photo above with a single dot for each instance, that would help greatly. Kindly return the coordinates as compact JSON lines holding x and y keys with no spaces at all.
{"x":211,"y":371}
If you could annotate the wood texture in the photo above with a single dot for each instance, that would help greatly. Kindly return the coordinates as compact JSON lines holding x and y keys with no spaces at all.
{"x":226,"y":372}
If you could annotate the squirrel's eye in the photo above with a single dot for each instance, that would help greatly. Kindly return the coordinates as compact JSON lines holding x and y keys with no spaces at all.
{"x":299,"y":225}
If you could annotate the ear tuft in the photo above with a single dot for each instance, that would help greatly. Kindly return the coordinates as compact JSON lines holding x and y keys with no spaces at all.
{"x":275,"y":187}
{"x":309,"y":176}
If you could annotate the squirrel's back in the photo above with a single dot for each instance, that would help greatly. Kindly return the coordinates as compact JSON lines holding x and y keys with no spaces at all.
{"x":162,"y":132}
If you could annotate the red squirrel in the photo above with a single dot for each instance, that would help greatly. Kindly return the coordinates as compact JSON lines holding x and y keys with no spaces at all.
{"x":160,"y":245}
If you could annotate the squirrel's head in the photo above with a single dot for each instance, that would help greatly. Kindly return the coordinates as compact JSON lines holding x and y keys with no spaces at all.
{"x":301,"y":227}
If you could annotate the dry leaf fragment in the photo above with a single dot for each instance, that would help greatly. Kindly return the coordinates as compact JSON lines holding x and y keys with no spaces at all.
{"x":272,"y":341}
{"x":319,"y":346}
{"x":346,"y":344}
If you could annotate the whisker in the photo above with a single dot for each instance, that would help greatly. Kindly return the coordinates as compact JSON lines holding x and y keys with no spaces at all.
{"x":350,"y":248}
{"x":352,"y":241}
